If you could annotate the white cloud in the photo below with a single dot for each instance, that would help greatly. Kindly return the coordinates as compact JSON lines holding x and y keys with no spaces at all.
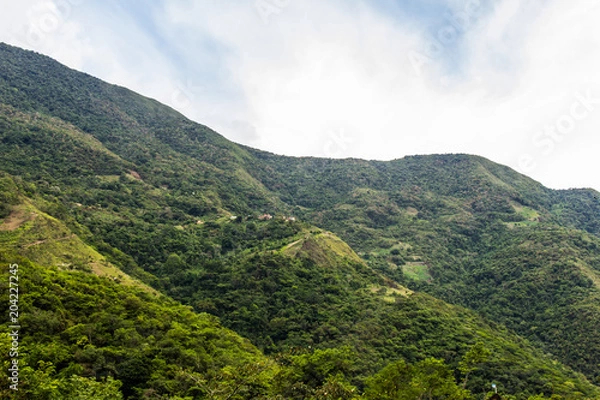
{"x":333,"y":78}
{"x":321,"y":68}
{"x":552,"y":57}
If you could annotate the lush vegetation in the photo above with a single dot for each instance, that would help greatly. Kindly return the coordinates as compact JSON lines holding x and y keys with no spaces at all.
{"x":108,"y":199}
{"x":79,"y":329}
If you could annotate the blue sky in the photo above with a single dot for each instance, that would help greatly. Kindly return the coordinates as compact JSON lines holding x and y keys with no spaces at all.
{"x":510,"y":80}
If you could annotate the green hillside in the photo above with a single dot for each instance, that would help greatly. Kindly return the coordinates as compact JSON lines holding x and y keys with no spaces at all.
{"x":302,"y":289}
{"x":308,"y":291}
{"x":341,"y":272}
{"x":472,"y":233}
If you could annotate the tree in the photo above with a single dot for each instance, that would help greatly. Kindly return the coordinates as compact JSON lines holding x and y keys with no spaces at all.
{"x":81,"y":388}
{"x":434,"y":380}
{"x":391,"y":382}
{"x":429,"y":379}
{"x":477,"y":354}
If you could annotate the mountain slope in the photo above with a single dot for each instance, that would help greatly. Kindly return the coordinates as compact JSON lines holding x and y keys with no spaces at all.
{"x":181,"y":208}
{"x":303,"y":288}
{"x":135,"y":128}
{"x":299,"y":292}
{"x":76,"y":324}
{"x":440,"y":223}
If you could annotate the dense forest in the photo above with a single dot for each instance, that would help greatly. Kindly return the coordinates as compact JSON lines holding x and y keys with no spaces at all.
{"x":158,"y":260}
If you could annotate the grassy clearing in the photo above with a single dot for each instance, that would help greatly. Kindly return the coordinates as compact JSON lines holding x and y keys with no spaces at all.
{"x":47,"y":241}
{"x":417,"y":271}
{"x":388,"y":294}
{"x":530,"y":216}
{"x":323,"y":245}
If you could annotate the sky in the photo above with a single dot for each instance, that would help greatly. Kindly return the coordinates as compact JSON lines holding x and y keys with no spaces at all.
{"x":514,"y":81}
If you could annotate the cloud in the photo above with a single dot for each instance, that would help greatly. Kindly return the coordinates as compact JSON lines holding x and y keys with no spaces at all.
{"x":319,"y":68}
{"x":339,"y":78}
{"x":551,"y":52}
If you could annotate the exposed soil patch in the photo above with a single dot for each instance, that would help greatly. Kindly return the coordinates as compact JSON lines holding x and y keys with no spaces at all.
{"x":16,"y":219}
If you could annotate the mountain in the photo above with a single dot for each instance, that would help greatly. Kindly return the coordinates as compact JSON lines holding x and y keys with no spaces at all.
{"x":487,"y":237}
{"x":341,"y":272}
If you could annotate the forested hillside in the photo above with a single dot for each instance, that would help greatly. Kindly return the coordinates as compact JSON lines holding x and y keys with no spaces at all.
{"x":149,"y":245}
{"x":472,"y":233}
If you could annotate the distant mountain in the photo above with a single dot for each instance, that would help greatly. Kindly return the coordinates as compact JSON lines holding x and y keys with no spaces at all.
{"x":489,"y":238}
{"x":332,"y":268}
